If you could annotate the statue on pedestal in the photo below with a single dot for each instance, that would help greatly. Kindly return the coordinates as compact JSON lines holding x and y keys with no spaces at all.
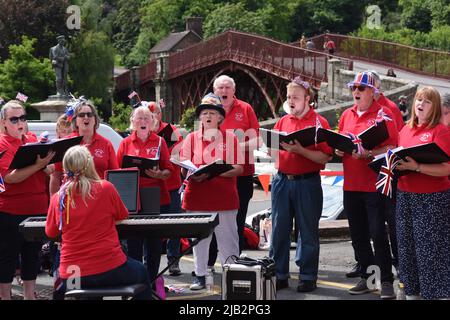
{"x":59,"y":56}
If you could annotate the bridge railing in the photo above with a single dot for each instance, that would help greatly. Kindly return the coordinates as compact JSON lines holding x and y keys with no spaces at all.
{"x":422,"y":61}
{"x":147,"y":72}
{"x":275,"y":57}
{"x":122,"y":81}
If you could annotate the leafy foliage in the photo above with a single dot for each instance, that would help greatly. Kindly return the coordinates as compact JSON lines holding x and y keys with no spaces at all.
{"x":233,"y":16}
{"x":188,"y":119}
{"x":120,"y":119}
{"x":25,"y":73}
{"x":42,"y":20}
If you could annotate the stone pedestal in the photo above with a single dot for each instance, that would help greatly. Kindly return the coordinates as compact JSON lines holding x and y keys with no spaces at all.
{"x":51,"y":108}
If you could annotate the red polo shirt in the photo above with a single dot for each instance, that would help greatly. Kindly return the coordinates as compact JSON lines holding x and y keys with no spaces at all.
{"x":242,"y":119}
{"x":217,"y":194}
{"x":29,"y":197}
{"x":357,"y":175}
{"x":174,"y":182}
{"x":398,"y":118}
{"x":101,"y":150}
{"x":89,"y":239}
{"x":293,"y":163}
{"x":134,"y":146}
{"x":419,"y":182}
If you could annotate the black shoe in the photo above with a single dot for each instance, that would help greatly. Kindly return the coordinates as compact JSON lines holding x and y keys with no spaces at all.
{"x":355,"y":272}
{"x":282,"y":284}
{"x":174,"y":269}
{"x":306,"y":286}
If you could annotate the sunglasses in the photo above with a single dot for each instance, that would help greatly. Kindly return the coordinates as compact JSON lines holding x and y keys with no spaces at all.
{"x":84,"y":114}
{"x":14,"y":120}
{"x":360,"y":88}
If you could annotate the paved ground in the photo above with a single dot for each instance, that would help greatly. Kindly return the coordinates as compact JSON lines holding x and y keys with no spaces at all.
{"x":336,"y":259}
{"x":442,"y":85}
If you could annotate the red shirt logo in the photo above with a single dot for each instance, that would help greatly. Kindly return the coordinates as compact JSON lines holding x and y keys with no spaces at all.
{"x":152,"y":152}
{"x":425,"y":137}
{"x":370,"y":122}
{"x":98,"y":153}
{"x":238,"y":116}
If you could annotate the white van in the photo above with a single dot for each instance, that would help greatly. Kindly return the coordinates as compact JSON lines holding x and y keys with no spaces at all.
{"x":37,"y":127}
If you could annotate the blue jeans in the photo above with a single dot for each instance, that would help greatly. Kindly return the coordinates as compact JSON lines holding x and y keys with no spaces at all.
{"x":173,"y":244}
{"x":129,"y":273}
{"x":304,"y":198}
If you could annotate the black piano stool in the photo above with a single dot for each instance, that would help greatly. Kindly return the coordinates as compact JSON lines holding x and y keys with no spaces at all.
{"x":98,"y":293}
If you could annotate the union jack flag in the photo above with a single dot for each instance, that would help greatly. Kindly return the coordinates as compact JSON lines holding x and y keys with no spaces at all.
{"x":381,"y":115}
{"x":386,"y":176}
{"x":132,"y":94}
{"x":356,"y":141}
{"x":2,"y":184}
{"x":318,"y":126}
{"x":21,"y":97}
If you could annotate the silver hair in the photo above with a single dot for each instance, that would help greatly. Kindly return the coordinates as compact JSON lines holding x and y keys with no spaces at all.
{"x":136,"y":111}
{"x":224,"y":78}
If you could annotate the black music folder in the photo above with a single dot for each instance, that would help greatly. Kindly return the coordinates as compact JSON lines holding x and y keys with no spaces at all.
{"x":337,"y":140}
{"x":214,"y":169}
{"x":150,"y":200}
{"x":424,"y":153}
{"x":27,"y":154}
{"x":370,"y":138}
{"x":126,"y":182}
{"x":306,"y":137}
{"x":141,"y":163}
{"x":167,"y":133}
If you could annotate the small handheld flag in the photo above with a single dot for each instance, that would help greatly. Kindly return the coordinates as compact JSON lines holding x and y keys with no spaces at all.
{"x":386,"y":176}
{"x":21,"y":97}
{"x":357,"y":141}
{"x":2,"y":184}
{"x":381,"y":115}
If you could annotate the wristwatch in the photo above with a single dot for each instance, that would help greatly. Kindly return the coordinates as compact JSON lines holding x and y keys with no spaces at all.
{"x":418,"y":168}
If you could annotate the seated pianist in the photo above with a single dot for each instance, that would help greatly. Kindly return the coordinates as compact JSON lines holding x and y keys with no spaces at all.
{"x":84,"y":213}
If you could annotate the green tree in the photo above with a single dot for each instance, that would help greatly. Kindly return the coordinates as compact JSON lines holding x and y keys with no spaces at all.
{"x":92,"y":66}
{"x":120,"y":119}
{"x":23,"y":72}
{"x":416,"y":15}
{"x":126,"y":28}
{"x":233,"y":16}
{"x":42,"y":20}
{"x":158,"y":18}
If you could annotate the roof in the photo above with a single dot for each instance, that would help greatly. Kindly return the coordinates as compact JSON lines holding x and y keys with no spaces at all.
{"x":171,"y":41}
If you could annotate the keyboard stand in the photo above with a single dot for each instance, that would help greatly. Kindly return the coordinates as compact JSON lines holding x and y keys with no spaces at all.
{"x":194,"y":242}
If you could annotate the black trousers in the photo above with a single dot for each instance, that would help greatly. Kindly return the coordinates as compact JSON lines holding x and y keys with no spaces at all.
{"x":366,"y":218}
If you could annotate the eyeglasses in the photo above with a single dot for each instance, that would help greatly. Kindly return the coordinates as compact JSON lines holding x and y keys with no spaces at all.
{"x":360,"y":88}
{"x":84,"y":114}
{"x":22,"y":118}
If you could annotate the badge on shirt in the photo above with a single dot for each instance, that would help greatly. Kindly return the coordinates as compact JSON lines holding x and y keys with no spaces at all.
{"x":152,"y":151}
{"x":370,"y":122}
{"x":239,"y":116}
{"x":425,"y":137}
{"x":98,"y":153}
